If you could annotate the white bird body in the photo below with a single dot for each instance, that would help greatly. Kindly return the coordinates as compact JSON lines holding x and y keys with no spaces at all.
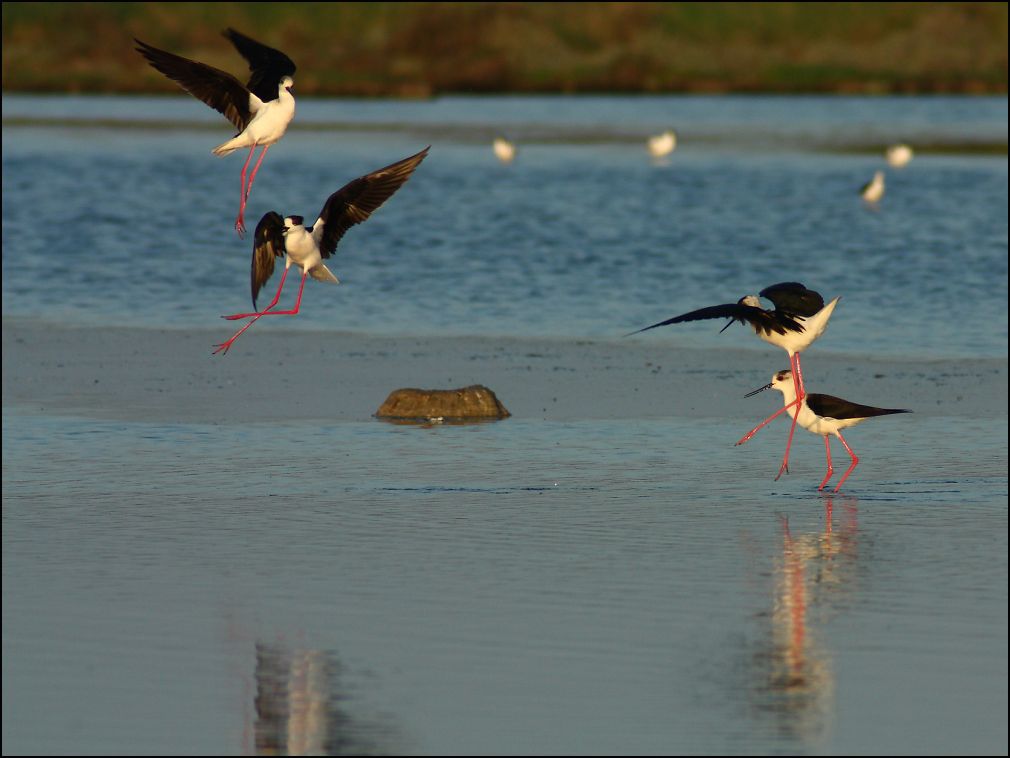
{"x":269,"y":122}
{"x":873,"y":190}
{"x":791,"y":341}
{"x":814,"y":423}
{"x":304,"y":249}
{"x":899,"y":155}
{"x":662,"y":144}
{"x":504,"y":150}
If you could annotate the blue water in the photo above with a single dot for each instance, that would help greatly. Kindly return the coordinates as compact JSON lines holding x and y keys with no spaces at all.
{"x":576,"y":238}
{"x":770,"y":120}
{"x":535,"y":586}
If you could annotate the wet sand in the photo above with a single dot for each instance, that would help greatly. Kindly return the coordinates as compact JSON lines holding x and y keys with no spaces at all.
{"x":170,"y":376}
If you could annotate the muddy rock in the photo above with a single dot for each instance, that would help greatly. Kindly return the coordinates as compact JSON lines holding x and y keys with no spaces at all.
{"x":473,"y":403}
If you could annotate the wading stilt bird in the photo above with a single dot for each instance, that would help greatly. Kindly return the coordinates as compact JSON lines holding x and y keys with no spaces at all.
{"x":821,"y":414}
{"x":798,"y":319}
{"x":504,"y":150}
{"x":899,"y":155}
{"x":261,"y":110}
{"x":662,"y":144}
{"x":873,"y":190}
{"x":308,"y":246}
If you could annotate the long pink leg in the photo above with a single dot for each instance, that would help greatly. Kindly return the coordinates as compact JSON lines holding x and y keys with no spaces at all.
{"x":831,"y":470}
{"x":224,"y":346}
{"x":763,"y":424}
{"x":273,"y":302}
{"x":256,"y":169}
{"x":799,"y":375}
{"x":243,"y":194}
{"x":779,"y":412}
{"x":852,"y":455}
{"x":794,"y":364}
{"x":298,"y":302}
{"x":247,"y":189}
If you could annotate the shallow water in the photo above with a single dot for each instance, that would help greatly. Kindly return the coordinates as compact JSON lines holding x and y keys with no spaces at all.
{"x":523,"y":586}
{"x":527,"y":586}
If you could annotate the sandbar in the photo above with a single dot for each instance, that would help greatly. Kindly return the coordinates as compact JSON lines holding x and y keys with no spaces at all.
{"x":168,"y":375}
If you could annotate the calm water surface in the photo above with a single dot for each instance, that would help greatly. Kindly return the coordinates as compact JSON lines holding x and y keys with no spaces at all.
{"x":574,"y":239}
{"x":526,"y":586}
{"x":516,"y":587}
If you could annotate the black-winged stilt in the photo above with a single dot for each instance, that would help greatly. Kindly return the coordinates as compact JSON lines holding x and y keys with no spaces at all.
{"x":873,"y":190}
{"x":798,"y":319}
{"x":260,"y":110}
{"x":821,"y":414}
{"x":307,"y":247}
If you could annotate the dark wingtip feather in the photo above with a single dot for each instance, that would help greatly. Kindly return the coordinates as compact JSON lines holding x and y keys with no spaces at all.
{"x":653,"y":326}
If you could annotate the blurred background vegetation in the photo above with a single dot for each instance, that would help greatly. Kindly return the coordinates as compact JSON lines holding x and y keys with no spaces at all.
{"x":424,"y":49}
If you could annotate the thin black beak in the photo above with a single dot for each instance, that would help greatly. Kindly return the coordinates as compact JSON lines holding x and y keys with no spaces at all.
{"x":760,"y":389}
{"x":728,"y":325}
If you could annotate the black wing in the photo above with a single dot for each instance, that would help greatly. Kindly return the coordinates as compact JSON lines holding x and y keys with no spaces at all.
{"x":793,"y":299}
{"x":829,"y":406}
{"x":218,"y":89}
{"x":268,"y":66}
{"x":357,"y":200}
{"x":759,"y":318}
{"x":268,"y":243}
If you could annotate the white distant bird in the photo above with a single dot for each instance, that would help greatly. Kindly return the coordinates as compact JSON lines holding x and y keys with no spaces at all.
{"x":662,"y":144}
{"x":260,"y":110}
{"x":307,"y":247}
{"x":504,"y":150}
{"x":824,"y":415}
{"x":873,"y":190}
{"x":899,"y":155}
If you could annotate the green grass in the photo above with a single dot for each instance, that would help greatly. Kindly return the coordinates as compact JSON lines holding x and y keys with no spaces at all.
{"x":423,"y":49}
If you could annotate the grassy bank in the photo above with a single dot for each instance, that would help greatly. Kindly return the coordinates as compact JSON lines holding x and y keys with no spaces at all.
{"x":422,"y":49}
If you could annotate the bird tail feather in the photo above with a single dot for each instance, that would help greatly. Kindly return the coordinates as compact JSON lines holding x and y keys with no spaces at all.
{"x":229,"y":147}
{"x":322,"y":274}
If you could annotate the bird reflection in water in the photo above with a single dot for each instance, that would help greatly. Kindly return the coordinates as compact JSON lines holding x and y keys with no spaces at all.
{"x":795,"y":682}
{"x":297,"y":706}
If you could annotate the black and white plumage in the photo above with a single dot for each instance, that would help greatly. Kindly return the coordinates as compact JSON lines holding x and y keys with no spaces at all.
{"x":824,"y":415}
{"x":261,"y":110}
{"x":797,"y":320}
{"x":307,"y":247}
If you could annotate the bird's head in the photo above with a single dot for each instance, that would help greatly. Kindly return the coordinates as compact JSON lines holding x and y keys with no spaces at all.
{"x":751,"y":300}
{"x":287,"y":83}
{"x":781,"y":381}
{"x":293,"y":222}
